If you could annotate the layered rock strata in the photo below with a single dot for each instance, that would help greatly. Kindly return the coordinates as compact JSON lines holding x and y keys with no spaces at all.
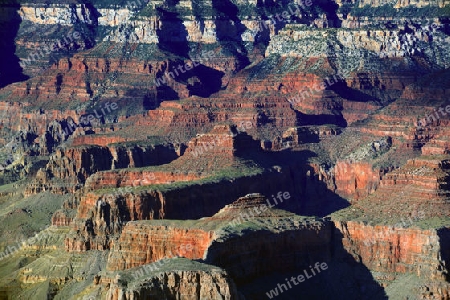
{"x":212,"y":283}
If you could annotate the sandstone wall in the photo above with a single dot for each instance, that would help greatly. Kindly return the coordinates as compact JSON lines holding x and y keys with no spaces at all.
{"x":141,"y":244}
{"x":189,"y":285}
{"x":387,"y":249}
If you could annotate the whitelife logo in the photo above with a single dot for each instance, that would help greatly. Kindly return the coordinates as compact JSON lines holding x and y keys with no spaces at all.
{"x":199,"y":150}
{"x":285,"y":15}
{"x":49,"y":49}
{"x":183,"y":69}
{"x":258,"y":210}
{"x":434,"y":117}
{"x":318,"y":88}
{"x":274,"y":292}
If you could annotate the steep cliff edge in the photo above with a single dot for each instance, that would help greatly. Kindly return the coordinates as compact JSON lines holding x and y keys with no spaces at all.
{"x":390,"y":251}
{"x":192,"y":280}
{"x":394,"y":249}
{"x":75,"y":164}
{"x":421,"y":186}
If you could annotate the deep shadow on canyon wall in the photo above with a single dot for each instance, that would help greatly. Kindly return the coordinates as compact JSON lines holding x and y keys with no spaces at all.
{"x":229,"y":30}
{"x":259,"y":261}
{"x":10,"y":70}
{"x":444,"y":236}
{"x":309,"y":195}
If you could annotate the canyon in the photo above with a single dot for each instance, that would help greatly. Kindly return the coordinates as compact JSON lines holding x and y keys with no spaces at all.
{"x":141,"y":201}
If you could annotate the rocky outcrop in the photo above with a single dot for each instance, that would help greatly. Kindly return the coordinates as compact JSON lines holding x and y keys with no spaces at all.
{"x":134,"y":155}
{"x":411,"y":189}
{"x":221,"y":145}
{"x":73,"y":165}
{"x":355,"y":180}
{"x":141,"y":244}
{"x":403,"y":3}
{"x":123,"y":179}
{"x":389,"y":249}
{"x":62,"y":218}
{"x":252,"y":250}
{"x":79,"y":162}
{"x":186,"y":284}
{"x":100,"y":215}
{"x":97,"y":139}
{"x":354,"y":43}
{"x":58,"y":14}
